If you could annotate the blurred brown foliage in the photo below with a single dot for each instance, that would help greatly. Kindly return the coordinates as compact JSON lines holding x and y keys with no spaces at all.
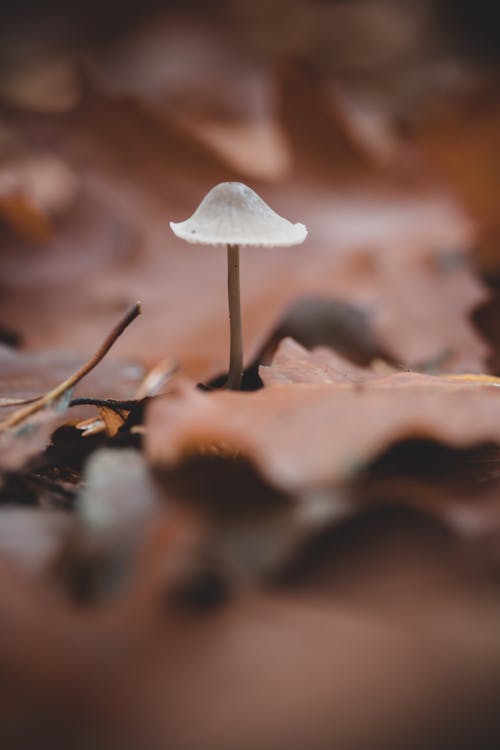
{"x":312,"y":562}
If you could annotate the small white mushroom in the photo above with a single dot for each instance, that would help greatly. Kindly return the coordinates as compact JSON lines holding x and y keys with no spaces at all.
{"x":233,"y":214}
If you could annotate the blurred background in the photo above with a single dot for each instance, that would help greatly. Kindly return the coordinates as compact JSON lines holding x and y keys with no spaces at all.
{"x":375,"y":122}
{"x":361,"y":612}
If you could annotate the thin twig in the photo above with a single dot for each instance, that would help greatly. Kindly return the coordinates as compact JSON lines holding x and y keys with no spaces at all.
{"x":4,"y":402}
{"x":109,"y":403}
{"x":21,"y":414}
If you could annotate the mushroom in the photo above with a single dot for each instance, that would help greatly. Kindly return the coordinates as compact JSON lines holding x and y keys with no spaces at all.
{"x":233,"y":214}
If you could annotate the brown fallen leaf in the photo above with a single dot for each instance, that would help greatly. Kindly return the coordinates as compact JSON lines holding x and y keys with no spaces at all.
{"x":293,"y":363}
{"x":303,"y":435}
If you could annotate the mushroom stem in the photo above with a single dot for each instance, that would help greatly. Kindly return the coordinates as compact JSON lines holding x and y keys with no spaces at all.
{"x":236,"y":345}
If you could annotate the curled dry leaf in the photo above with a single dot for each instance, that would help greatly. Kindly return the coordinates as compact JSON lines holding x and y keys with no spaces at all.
{"x":293,"y":363}
{"x":311,"y":434}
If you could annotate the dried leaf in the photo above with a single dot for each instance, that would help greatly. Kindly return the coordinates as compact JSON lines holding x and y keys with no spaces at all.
{"x":292,"y":363}
{"x":304,"y":435}
{"x":113,"y":419}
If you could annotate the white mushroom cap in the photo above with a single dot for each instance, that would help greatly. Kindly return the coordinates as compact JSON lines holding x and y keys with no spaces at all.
{"x":233,"y":214}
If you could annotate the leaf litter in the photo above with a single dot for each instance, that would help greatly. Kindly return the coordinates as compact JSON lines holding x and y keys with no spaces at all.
{"x":300,"y":545}
{"x":350,"y":416}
